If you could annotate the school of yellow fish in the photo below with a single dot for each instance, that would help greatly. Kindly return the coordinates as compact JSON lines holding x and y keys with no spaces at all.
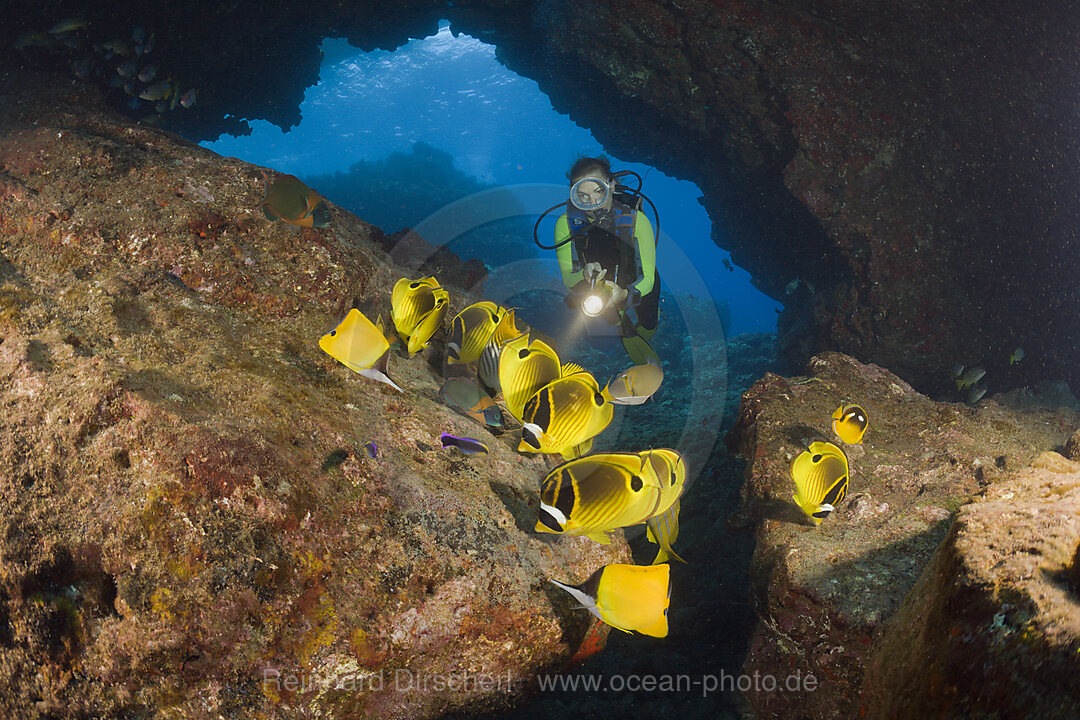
{"x":561,"y":408}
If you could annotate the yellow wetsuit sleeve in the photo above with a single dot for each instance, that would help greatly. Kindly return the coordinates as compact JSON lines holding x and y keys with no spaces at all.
{"x":565,"y":253}
{"x":643,"y":231}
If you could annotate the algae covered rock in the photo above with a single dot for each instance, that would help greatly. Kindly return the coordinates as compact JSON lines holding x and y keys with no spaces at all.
{"x":992,"y":628}
{"x":189,"y":522}
{"x":823,"y":595}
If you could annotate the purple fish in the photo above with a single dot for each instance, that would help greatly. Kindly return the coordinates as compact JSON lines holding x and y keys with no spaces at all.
{"x":371,"y":449}
{"x":469,"y":446}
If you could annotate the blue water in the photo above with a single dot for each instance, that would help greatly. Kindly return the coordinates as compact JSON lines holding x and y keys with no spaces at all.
{"x":450,"y":92}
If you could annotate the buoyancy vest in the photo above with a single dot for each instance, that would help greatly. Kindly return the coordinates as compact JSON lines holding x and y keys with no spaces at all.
{"x":607,"y":238}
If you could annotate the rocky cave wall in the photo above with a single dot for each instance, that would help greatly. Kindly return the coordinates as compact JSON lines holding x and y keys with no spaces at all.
{"x":914,"y":164}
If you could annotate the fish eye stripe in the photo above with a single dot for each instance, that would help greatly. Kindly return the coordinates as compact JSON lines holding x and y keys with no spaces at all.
{"x":566,"y":501}
{"x":549,"y":519}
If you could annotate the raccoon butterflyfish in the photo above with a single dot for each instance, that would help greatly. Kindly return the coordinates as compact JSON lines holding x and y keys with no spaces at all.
{"x":630,"y":598}
{"x":487,"y":369}
{"x":635,"y":385}
{"x":524,"y":368}
{"x":466,"y":396}
{"x":410,"y":301}
{"x":821,"y":480}
{"x":663,"y":526}
{"x":417,"y":308}
{"x":289,"y":199}
{"x":602,"y":492}
{"x":563,"y":414}
{"x":850,"y":423}
{"x":430,"y":323}
{"x":469,"y":446}
{"x":470,"y":331}
{"x":360,"y":346}
{"x":591,"y":495}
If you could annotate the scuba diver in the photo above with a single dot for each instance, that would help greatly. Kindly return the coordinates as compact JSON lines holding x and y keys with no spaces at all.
{"x":600,"y":241}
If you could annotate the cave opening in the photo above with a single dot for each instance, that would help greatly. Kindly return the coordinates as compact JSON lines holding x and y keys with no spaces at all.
{"x":396,"y":136}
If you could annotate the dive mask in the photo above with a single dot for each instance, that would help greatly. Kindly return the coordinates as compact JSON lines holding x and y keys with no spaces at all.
{"x":590,"y":193}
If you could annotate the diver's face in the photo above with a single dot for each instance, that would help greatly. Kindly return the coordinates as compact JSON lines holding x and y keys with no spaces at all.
{"x":590,"y":193}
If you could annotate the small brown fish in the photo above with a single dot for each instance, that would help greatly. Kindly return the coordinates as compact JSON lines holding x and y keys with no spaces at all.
{"x":289,"y":199}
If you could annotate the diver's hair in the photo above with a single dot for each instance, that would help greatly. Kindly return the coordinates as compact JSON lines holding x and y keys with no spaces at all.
{"x":587,"y":166}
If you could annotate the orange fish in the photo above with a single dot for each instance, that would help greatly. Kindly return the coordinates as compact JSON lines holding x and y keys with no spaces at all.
{"x":465,"y":396}
{"x":594,"y":641}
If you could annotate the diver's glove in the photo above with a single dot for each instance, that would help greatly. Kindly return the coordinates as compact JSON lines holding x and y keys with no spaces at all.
{"x":593,"y":273}
{"x":618,"y":294}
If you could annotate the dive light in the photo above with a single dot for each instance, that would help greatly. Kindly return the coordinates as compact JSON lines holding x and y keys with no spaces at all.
{"x":592,"y":305}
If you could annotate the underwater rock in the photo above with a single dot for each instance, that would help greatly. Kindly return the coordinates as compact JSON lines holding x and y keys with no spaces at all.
{"x":1072,"y":448}
{"x":824,"y":595}
{"x":190,"y":520}
{"x":998,"y":596}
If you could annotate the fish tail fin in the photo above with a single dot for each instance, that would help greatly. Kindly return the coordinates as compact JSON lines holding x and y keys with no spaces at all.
{"x":663,"y":556}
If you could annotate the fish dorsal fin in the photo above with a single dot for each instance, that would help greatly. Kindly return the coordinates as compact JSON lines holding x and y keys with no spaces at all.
{"x":571,"y":369}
